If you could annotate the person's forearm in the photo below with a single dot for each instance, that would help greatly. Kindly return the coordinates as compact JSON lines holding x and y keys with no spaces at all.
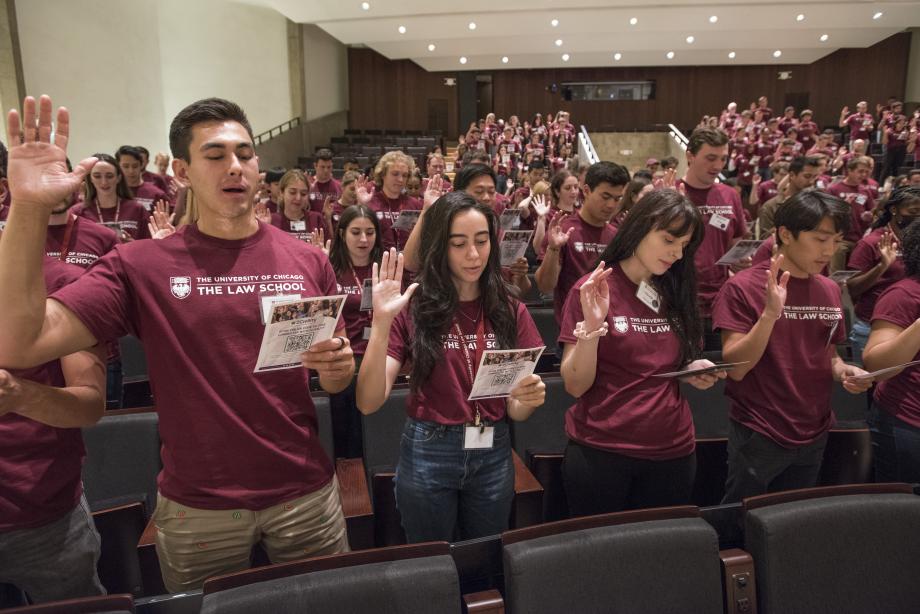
{"x":539,"y":233}
{"x":70,"y":407}
{"x":754,"y":198}
{"x":410,"y":252}
{"x":371,"y":390}
{"x":547,"y":274}
{"x":23,"y":295}
{"x":859,"y":284}
{"x":895,"y":351}
{"x":334,"y":384}
{"x":521,"y":283}
{"x":518,"y":412}
{"x":579,"y":367}
{"x":749,"y":348}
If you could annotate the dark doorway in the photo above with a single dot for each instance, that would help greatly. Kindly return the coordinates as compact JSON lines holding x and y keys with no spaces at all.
{"x":466,"y":100}
{"x":437,"y":115}
{"x":483,"y":96}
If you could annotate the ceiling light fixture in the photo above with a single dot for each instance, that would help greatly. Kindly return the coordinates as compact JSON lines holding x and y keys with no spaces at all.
{"x":559,"y":42}
{"x":554,"y":23}
{"x":824,"y":38}
{"x":366,"y":6}
{"x":463,"y":59}
{"x":472,"y":25}
{"x":670,"y":55}
{"x":878,"y":15}
{"x":731,"y":55}
{"x":690,"y":40}
{"x":777,"y":53}
{"x":633,"y":21}
{"x":800,"y":17}
{"x":714,"y":19}
{"x":565,"y":57}
{"x":504,"y":59}
{"x":431,"y":47}
{"x":401,"y":29}
{"x":617,"y":56}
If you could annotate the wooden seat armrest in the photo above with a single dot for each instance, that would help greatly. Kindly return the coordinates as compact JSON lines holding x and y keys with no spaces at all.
{"x":356,"y":497}
{"x":738,"y":582}
{"x":484,"y":602}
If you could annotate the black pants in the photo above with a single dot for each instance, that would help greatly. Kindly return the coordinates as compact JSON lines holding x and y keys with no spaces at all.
{"x":598,"y":482}
{"x":346,"y":423}
{"x":758,"y":465}
{"x":894,"y":160}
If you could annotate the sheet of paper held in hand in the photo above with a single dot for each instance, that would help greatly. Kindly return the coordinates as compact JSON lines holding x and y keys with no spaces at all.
{"x":842,"y":276}
{"x":721,"y":366}
{"x":407,"y":220}
{"x":294,"y":327}
{"x":509,"y":217}
{"x":875,"y":374}
{"x":501,"y":370}
{"x":514,"y":245}
{"x":740,"y":251}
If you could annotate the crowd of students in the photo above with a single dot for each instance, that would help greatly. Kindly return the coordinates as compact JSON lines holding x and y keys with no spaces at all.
{"x":632,"y":264}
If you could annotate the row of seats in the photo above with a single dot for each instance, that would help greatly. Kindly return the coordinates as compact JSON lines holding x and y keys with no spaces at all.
{"x":403,"y":141}
{"x":841,"y":550}
{"x":391,"y":132}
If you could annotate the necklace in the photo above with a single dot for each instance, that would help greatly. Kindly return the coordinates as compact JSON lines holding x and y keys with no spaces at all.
{"x":117,"y":209}
{"x":473,"y":320}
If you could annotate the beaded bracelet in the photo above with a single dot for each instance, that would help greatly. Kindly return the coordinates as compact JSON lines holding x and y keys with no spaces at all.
{"x":583,"y":335}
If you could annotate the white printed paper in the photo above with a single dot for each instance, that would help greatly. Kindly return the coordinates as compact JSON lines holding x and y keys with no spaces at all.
{"x":880,"y":372}
{"x":721,"y":366}
{"x":514,"y":245}
{"x":501,"y":370}
{"x":294,"y":327}
{"x":367,"y":295}
{"x":842,"y":276}
{"x":509,"y":218}
{"x":267,"y":300}
{"x":407,"y":220}
{"x":740,"y":251}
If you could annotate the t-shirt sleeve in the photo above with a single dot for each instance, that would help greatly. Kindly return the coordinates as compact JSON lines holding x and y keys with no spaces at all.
{"x":732,"y":311}
{"x":571,"y":315}
{"x":398,"y":347}
{"x":864,"y":257}
{"x":527,"y":334}
{"x":100,"y":298}
{"x":330,"y":286}
{"x":897,"y":306}
{"x":740,"y":217}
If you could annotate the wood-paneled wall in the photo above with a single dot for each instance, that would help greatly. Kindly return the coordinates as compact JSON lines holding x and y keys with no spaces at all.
{"x":683,"y":94}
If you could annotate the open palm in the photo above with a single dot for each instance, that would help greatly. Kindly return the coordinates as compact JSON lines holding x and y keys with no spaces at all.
{"x":594,"y":296}
{"x":389,"y":299}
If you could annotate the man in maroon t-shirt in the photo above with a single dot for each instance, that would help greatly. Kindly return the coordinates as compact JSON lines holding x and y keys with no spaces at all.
{"x":130,"y":161}
{"x":154,"y":178}
{"x":242,"y":461}
{"x":324,"y":185}
{"x":48,"y":543}
{"x":857,"y":195}
{"x":783,"y":321}
{"x":576,"y":241}
{"x":859,"y":123}
{"x":720,"y":206}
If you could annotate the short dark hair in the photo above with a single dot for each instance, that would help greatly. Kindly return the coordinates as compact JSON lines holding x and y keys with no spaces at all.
{"x":714,"y":137}
{"x":669,"y":162}
{"x":4,"y":157}
{"x":143,"y":150}
{"x":804,"y":212}
{"x":200,"y":112}
{"x":800,"y":162}
{"x":129,"y":150}
{"x":323,"y":154}
{"x":643,"y":173}
{"x":350,"y":160}
{"x":475,"y":156}
{"x":470,"y":172}
{"x":536,"y":164}
{"x":910,"y":249}
{"x":899,"y":197}
{"x":274,"y":175}
{"x":606,"y":172}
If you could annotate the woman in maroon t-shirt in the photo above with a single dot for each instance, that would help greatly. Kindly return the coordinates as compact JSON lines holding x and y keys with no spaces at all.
{"x":355,"y":247}
{"x":895,"y":339}
{"x":294,"y":215}
{"x":107,"y":200}
{"x":455,"y":467}
{"x":631,"y":438}
{"x":564,"y":191}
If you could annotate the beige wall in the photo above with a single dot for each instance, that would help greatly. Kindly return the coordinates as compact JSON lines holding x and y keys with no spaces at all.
{"x":325,"y":74}
{"x":631,"y":149}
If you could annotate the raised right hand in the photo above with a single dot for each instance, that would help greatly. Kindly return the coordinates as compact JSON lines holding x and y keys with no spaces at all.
{"x":776,"y":290}
{"x":389,"y":299}
{"x":37,"y":168}
{"x":539,"y":205}
{"x":887,"y":250}
{"x":595,"y":297}
{"x":556,"y":237}
{"x":262,"y":213}
{"x":364,"y":190}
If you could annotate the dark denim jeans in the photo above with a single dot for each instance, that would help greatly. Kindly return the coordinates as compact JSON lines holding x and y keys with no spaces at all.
{"x":444,"y":492}
{"x":895,"y":447}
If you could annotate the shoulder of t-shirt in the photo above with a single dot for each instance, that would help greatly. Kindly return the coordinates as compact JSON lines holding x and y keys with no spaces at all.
{"x":58,"y":274}
{"x":130,"y":203}
{"x":899,"y":298}
{"x":91,"y":227}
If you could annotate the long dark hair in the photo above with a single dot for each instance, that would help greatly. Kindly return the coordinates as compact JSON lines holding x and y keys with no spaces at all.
{"x":121,"y":187}
{"x":435,"y":303}
{"x":671,"y":211}
{"x":338,"y":253}
{"x":898,"y":197}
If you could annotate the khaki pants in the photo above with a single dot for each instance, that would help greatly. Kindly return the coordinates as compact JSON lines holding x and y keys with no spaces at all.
{"x":840,"y":257}
{"x":195,"y":544}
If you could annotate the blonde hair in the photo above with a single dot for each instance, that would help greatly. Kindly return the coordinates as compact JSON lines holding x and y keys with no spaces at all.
{"x":295,"y":174}
{"x":541,"y":188}
{"x":350,"y":177}
{"x":389,"y":159}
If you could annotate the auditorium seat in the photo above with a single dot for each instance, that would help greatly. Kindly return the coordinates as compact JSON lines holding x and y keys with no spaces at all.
{"x":135,"y":383}
{"x":658,"y":561}
{"x":844,"y":549}
{"x":104,"y":604}
{"x":546,"y":323}
{"x":398,"y":580}
{"x":119,"y":530}
{"x":351,"y":132}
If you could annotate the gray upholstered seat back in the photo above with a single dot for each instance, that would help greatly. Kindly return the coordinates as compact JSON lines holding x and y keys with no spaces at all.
{"x":847,"y":554}
{"x":657,"y":567}
{"x":428,"y":584}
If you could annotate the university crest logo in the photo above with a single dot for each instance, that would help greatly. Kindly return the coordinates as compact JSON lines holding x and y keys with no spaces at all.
{"x":620,"y":324}
{"x":180,"y":287}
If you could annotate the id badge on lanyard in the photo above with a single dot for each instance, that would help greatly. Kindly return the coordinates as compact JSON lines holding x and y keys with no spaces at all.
{"x":478,"y":436}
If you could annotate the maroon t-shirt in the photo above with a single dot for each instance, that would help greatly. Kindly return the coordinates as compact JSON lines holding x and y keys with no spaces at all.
{"x":442,"y":398}
{"x":721,"y":200}
{"x":147,"y":194}
{"x":626,"y":410}
{"x":130,"y":216}
{"x":88,"y":241}
{"x":40,"y":464}
{"x":231,"y":438}
{"x":865,"y":256}
{"x":351,"y":283}
{"x":578,"y":256}
{"x":787,"y":395}
{"x":860,"y":125}
{"x":157,"y":180}
{"x":303,"y":229}
{"x":320,"y":191}
{"x":861,"y":205}
{"x":806,"y":134}
{"x":900,"y":395}
{"x":766,"y":190}
{"x":387,"y":210}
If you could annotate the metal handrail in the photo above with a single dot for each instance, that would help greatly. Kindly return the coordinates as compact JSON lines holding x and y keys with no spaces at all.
{"x":276,"y":131}
{"x":586,"y":146}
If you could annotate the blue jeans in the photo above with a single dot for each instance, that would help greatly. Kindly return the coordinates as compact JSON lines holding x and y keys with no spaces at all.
{"x":859,"y":335}
{"x":444,"y":491}
{"x":895,"y":447}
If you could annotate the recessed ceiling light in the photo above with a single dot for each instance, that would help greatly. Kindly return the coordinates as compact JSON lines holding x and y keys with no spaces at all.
{"x":670,"y":55}
{"x":777,"y":53}
{"x":431,"y":47}
{"x":731,"y":55}
{"x":559,"y":42}
{"x":800,"y":17}
{"x":463,"y":59}
{"x":565,"y":57}
{"x":633,"y":21}
{"x":366,"y":6}
{"x":554,"y":23}
{"x":401,"y":29}
{"x":824,"y":38}
{"x":690,"y":40}
{"x":878,"y":15}
{"x":504,"y":59}
{"x":472,"y":25}
{"x":617,"y":56}
{"x":714,"y":19}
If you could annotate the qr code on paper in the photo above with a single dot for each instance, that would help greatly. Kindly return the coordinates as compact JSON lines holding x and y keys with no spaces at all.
{"x":298,"y":343}
{"x":503,"y":379}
